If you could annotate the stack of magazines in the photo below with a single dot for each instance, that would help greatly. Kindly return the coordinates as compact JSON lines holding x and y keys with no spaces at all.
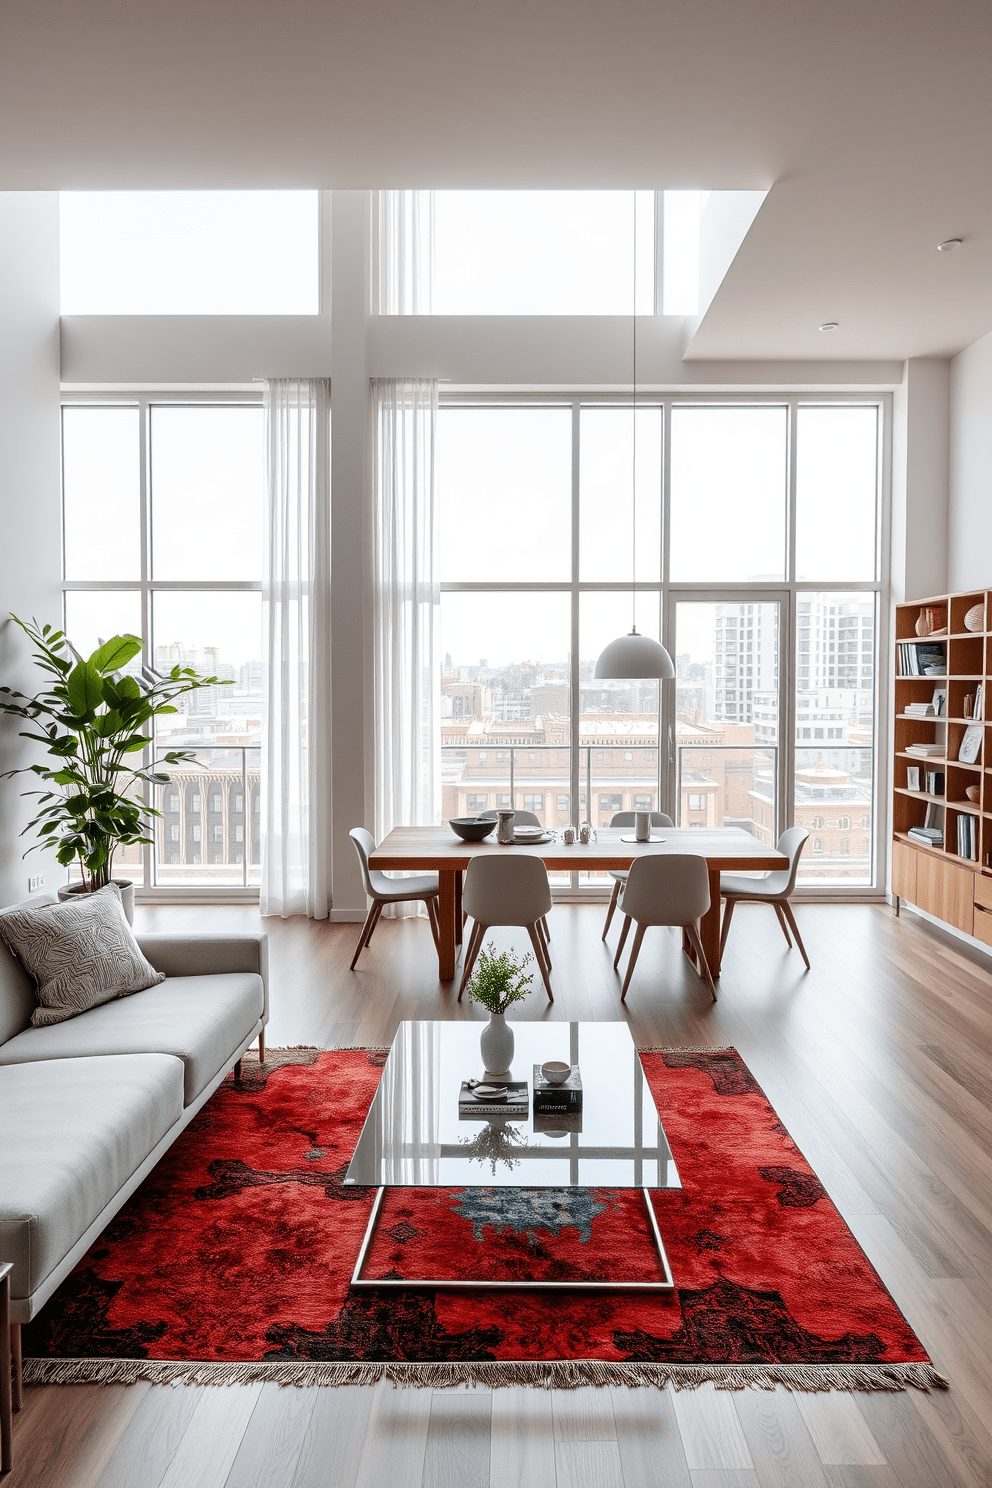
{"x":929,"y":836}
{"x":926,"y":751}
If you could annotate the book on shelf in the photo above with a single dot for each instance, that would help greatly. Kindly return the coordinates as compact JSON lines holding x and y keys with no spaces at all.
{"x":934,"y":818}
{"x":922,"y":659}
{"x":925,"y":751}
{"x":967,"y":837}
{"x":920,"y":710}
{"x":935,"y":782}
{"x":517,"y":1102}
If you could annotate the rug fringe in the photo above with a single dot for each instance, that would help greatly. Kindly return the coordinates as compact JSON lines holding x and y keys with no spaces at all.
{"x":557,"y":1374}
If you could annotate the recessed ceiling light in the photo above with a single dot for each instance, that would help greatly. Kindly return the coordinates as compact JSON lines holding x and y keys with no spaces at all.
{"x":949,"y":245}
{"x":829,"y":325}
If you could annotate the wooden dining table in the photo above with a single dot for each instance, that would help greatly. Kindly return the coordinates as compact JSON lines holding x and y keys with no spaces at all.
{"x":438,"y":850}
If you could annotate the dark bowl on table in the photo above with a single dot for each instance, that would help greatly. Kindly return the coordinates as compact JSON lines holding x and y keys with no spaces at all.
{"x":471,"y":828}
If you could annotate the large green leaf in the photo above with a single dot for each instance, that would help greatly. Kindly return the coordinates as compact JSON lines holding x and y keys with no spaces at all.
{"x":116,"y":653}
{"x":84,"y":688}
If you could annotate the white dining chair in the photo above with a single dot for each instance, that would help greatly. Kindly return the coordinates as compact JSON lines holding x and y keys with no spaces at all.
{"x":776,"y":889}
{"x":512,"y":890}
{"x":382,"y":890}
{"x":521,"y":819}
{"x":666,"y":889}
{"x":619,"y":875}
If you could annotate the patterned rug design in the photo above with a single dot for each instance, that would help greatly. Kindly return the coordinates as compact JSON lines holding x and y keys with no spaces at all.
{"x":233,"y":1260}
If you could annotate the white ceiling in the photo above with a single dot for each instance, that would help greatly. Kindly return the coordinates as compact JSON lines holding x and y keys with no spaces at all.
{"x":870,"y":120}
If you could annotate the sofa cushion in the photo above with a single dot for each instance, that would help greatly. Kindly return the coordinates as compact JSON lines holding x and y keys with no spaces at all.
{"x":81,"y":954}
{"x":74,"y":1131}
{"x":202,"y":1020}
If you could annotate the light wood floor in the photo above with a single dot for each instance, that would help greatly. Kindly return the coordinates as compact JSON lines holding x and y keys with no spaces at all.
{"x":877,"y":1061}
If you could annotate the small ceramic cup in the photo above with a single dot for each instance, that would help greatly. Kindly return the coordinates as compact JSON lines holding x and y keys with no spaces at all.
{"x":556,"y":1072}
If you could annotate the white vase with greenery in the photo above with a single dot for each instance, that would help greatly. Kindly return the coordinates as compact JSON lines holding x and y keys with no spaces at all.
{"x":498,"y":981}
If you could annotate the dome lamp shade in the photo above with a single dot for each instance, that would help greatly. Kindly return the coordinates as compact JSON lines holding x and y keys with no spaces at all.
{"x":634,"y":656}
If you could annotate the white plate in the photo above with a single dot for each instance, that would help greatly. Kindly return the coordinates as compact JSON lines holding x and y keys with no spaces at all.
{"x":527,"y":840}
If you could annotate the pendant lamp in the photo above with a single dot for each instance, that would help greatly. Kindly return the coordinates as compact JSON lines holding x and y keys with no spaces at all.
{"x":634,"y":656}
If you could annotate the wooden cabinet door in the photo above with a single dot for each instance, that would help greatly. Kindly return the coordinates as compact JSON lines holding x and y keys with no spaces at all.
{"x":904,"y":871}
{"x":946,"y":891}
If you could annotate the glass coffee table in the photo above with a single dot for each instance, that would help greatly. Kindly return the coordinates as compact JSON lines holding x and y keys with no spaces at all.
{"x":414,"y":1137}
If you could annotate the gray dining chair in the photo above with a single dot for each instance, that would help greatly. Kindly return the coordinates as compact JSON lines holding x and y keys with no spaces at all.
{"x":776,"y":889}
{"x":382,"y":890}
{"x":619,"y":875}
{"x":666,"y":889}
{"x":512,"y":890}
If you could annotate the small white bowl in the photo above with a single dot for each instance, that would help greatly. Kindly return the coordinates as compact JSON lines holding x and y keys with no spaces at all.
{"x":556,"y":1072}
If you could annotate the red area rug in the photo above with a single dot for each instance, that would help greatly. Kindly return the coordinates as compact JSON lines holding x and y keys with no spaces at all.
{"x":233,"y":1260}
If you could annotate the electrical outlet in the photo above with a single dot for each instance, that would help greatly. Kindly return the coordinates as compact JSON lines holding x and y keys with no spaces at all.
{"x":36,"y":883}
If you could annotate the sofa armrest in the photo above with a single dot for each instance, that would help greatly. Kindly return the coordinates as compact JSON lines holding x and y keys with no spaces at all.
{"x":205,"y":955}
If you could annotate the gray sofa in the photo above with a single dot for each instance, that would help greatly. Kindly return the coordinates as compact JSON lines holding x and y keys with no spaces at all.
{"x":88,"y":1106}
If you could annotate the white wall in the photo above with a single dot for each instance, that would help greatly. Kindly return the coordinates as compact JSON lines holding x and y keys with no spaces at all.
{"x":969,"y":559}
{"x":30,"y":534}
{"x":920,"y":415}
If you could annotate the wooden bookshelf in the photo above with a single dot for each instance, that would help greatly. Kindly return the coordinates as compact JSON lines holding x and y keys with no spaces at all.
{"x":955,"y":889}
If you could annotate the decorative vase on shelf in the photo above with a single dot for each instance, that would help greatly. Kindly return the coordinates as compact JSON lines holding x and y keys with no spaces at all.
{"x":496,"y":1045}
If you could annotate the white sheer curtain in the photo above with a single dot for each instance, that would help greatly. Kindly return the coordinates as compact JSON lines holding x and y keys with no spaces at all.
{"x":403,"y":252}
{"x":407,"y":607}
{"x":296,"y":793}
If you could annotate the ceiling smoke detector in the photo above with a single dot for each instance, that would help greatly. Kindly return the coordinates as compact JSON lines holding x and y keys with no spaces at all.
{"x":830,"y":325}
{"x":948,"y":245}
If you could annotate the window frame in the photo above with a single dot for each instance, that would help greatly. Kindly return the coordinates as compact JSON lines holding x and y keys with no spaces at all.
{"x":144,"y":586}
{"x":789,"y":589}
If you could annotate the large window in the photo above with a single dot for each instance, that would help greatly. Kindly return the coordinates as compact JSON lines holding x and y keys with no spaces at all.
{"x":762,"y":568}
{"x":162,"y":534}
{"x":189,"y":252}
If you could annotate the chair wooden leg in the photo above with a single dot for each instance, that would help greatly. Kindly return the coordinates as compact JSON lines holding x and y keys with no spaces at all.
{"x":784,"y":923}
{"x":621,"y":941}
{"x":787,"y":909}
{"x":237,"y":1072}
{"x":703,"y":966}
{"x":366,"y":934}
{"x":432,"y":916}
{"x":613,"y":905}
{"x":728,"y":915}
{"x":261,"y":1046}
{"x":535,"y":940}
{"x":542,"y":931}
{"x":474,"y":946}
{"x":634,"y":953}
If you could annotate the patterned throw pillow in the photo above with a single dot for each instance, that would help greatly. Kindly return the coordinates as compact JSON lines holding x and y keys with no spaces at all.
{"x":80,"y":953}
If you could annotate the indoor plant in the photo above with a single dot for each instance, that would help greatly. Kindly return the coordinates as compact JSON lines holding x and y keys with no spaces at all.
{"x":92,"y":720}
{"x":497,"y":982}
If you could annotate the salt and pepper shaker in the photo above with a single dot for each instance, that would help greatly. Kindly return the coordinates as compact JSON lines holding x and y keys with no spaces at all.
{"x":568,"y":836}
{"x":585,"y":833}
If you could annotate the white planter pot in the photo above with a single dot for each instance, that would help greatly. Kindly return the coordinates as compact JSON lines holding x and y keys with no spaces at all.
{"x":496,"y":1045}
{"x":73,"y":891}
